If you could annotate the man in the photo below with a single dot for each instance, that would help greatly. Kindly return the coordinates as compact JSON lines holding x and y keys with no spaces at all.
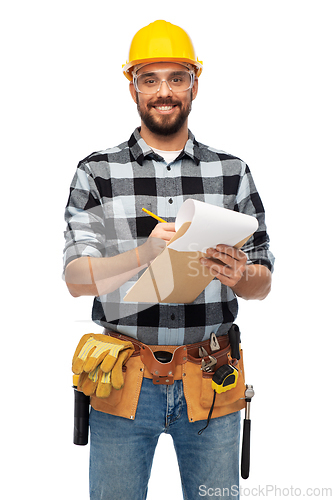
{"x":109,"y":240}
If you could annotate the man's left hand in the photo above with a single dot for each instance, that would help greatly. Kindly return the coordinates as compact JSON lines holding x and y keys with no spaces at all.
{"x":226,"y":263}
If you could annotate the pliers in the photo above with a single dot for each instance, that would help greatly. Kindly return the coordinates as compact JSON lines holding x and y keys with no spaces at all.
{"x":207,"y":365}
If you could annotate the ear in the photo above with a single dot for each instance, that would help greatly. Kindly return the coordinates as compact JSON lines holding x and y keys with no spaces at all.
{"x":195,"y":89}
{"x":133,"y":92}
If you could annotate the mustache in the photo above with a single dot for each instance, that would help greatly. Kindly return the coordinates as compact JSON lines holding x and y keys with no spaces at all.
{"x":164,"y":102}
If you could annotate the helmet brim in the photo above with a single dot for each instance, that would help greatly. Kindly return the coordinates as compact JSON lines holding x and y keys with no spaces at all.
{"x":129,"y":67}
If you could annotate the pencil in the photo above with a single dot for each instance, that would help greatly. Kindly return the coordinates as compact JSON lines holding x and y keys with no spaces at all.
{"x":153,"y":215}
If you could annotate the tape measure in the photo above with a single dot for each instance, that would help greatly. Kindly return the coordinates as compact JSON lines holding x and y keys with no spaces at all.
{"x":225,"y":378}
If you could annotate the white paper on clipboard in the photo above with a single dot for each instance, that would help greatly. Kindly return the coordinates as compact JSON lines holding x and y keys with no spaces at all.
{"x":210,"y":225}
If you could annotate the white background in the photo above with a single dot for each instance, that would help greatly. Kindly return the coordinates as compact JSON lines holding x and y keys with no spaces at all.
{"x":265,"y":96}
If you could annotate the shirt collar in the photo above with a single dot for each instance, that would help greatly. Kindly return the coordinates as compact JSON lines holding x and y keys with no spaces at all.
{"x":139,"y":149}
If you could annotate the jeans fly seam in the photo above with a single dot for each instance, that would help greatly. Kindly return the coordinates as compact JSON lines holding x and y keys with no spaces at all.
{"x":180,"y":406}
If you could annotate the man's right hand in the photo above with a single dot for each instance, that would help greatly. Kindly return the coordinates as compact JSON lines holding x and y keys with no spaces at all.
{"x":163,"y":230}
{"x":156,"y":242}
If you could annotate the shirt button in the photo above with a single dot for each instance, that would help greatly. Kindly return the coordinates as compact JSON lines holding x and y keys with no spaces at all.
{"x":170,"y":200}
{"x":168,"y":167}
{"x":173,"y":317}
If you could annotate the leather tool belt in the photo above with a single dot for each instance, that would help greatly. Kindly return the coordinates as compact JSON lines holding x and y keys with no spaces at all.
{"x":164,"y":365}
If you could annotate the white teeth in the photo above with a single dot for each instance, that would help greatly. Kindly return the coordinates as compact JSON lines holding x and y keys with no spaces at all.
{"x":164,"y":108}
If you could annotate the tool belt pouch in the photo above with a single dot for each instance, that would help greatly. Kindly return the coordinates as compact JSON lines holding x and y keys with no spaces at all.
{"x":199,"y":393}
{"x":123,"y":402}
{"x":142,"y":363}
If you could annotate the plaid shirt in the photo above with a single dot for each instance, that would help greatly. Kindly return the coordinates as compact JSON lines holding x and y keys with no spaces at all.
{"x":104,"y":218}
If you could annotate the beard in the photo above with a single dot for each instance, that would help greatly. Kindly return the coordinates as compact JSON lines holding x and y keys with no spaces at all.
{"x":164,"y":125}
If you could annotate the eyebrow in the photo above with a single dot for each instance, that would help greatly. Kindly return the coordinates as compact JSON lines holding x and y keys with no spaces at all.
{"x":155,"y":73}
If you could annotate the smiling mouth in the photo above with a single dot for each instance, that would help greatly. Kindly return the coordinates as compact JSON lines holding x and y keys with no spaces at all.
{"x":164,"y":108}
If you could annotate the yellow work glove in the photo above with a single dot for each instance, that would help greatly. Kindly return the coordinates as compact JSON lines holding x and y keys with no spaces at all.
{"x":99,"y":359}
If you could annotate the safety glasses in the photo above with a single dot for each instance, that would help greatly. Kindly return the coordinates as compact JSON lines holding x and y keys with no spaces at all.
{"x":151,"y":82}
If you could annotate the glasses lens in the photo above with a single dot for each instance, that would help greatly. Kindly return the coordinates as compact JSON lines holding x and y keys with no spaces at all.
{"x":178,"y":81}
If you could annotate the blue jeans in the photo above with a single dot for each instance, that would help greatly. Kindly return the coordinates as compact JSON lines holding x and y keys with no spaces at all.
{"x":122,"y":450}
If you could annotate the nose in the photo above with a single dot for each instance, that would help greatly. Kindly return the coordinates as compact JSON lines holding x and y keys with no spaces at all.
{"x":164,"y":90}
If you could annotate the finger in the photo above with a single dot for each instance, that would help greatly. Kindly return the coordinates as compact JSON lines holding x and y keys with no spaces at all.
{"x":168,"y":236}
{"x":95,"y":358}
{"x":88,"y":382}
{"x":103,"y":389}
{"x":108,"y":363}
{"x":168,"y":226}
{"x":117,"y":377}
{"x":233,"y":252}
{"x":215,"y":266}
{"x":164,"y":230}
{"x":165,"y":226}
{"x":85,"y":353}
{"x":227,"y":275}
{"x":230,"y":256}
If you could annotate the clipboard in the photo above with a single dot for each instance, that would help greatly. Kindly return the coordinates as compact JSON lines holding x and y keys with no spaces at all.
{"x":176,"y":275}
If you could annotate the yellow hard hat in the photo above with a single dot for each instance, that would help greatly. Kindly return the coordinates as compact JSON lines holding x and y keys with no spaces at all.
{"x":161,"y":41}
